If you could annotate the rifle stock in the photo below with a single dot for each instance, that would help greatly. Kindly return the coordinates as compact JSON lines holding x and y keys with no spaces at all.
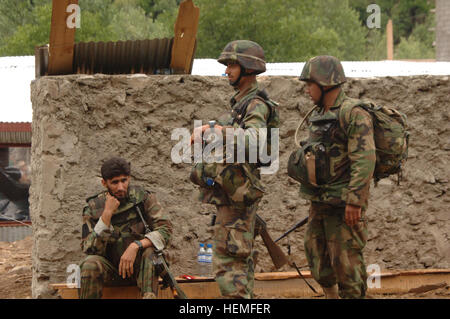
{"x":278,"y":257}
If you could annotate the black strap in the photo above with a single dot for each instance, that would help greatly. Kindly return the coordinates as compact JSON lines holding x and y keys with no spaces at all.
{"x":147,"y":228}
{"x":301,"y":276}
{"x":242,"y":110}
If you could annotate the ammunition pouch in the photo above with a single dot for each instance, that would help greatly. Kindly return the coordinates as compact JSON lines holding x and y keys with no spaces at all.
{"x":309,"y":164}
{"x":204,"y":174}
{"x":235,"y":180}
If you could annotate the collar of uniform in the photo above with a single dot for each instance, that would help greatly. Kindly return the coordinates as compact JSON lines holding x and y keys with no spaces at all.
{"x":340,"y":98}
{"x":240,"y":94}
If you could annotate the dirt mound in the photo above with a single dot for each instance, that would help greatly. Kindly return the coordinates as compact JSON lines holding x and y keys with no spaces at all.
{"x":15,"y":269}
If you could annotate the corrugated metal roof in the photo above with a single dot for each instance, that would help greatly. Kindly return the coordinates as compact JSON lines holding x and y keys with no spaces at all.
{"x":15,"y":133}
{"x":10,"y":232}
{"x":123,"y":57}
{"x":15,"y":138}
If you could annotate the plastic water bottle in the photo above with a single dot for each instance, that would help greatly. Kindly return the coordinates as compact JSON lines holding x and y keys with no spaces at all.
{"x":201,"y":260}
{"x":208,"y":259}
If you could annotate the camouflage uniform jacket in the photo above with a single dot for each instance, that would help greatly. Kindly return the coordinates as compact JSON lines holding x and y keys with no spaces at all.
{"x":255,"y":117}
{"x":126,"y":224}
{"x":350,"y":156}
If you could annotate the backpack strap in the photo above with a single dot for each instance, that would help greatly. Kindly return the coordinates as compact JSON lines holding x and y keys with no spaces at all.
{"x":242,"y":111}
{"x":346,"y":110}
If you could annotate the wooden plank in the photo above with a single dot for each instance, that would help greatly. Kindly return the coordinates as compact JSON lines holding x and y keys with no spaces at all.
{"x":62,"y":39}
{"x":281,"y":285}
{"x":184,"y":43}
{"x":390,"y":40}
{"x":40,"y":61}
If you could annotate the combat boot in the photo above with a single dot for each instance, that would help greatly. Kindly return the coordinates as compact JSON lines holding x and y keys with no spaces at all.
{"x":331,"y":292}
{"x":149,"y":295}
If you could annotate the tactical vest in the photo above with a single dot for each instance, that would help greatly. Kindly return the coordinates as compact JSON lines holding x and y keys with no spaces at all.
{"x":240,"y":110}
{"x":128,"y":225}
{"x":310,"y":165}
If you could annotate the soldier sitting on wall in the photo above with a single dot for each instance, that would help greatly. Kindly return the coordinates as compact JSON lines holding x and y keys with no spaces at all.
{"x":118,"y":242}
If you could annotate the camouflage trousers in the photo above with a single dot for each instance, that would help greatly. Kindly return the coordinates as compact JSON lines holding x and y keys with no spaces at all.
{"x":334,"y":250}
{"x":233,"y":252}
{"x":97,"y":271}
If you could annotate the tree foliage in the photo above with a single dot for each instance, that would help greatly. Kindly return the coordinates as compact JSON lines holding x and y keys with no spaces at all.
{"x":288,"y":30}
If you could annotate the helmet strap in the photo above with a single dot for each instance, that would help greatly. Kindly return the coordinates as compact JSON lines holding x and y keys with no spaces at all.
{"x":324,"y":92}
{"x":242,"y":73}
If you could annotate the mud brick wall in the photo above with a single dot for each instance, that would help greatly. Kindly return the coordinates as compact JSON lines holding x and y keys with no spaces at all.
{"x":80,"y":120}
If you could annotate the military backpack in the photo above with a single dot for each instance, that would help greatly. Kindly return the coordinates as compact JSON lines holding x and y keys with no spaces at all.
{"x":391,"y":137}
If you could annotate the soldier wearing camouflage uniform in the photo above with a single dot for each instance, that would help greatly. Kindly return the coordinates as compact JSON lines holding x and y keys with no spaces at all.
{"x":237,"y":189}
{"x":345,"y":160}
{"x":114,"y":237}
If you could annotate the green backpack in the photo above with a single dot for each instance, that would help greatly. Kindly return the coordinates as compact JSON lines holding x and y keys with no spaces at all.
{"x":391,"y":141}
{"x":390,"y":134}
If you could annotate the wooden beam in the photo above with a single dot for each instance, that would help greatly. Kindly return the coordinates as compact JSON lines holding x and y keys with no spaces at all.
{"x":390,"y":40}
{"x":184,"y":43}
{"x":62,"y":39}
{"x":41,"y":61}
{"x":282,"y":285}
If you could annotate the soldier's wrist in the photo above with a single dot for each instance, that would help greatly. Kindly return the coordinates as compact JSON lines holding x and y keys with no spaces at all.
{"x":137,"y":245}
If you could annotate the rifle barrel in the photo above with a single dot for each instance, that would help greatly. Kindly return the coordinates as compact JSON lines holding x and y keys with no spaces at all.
{"x":299,"y":224}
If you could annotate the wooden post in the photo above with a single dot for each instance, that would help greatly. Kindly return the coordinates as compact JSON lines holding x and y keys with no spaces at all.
{"x":183,"y":48}
{"x":390,"y":40}
{"x":62,"y":39}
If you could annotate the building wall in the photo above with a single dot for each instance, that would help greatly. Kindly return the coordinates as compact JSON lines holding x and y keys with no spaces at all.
{"x":80,"y":120}
{"x":442,"y":30}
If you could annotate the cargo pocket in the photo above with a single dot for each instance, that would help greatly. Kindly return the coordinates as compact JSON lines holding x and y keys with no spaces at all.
{"x":240,"y":185}
{"x":237,"y":243}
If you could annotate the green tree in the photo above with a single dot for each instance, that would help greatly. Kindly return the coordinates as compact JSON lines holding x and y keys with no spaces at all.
{"x":288,"y":30}
{"x":27,"y":23}
{"x":35,"y":31}
{"x":412,"y":20}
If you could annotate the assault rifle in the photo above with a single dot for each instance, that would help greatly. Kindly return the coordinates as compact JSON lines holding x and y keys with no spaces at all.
{"x":162,"y":270}
{"x":279,"y":259}
{"x":299,"y":224}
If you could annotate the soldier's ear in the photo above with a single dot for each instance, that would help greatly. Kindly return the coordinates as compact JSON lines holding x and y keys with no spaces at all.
{"x":104,"y":183}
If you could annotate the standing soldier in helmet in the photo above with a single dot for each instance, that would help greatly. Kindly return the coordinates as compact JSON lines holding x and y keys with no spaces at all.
{"x":236,"y":188}
{"x":342,"y":157}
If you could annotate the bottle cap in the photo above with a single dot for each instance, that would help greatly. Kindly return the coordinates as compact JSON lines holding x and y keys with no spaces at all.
{"x":209,"y":181}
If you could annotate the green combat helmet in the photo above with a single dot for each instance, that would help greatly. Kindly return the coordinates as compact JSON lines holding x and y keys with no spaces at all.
{"x":324,"y":70}
{"x":248,"y":54}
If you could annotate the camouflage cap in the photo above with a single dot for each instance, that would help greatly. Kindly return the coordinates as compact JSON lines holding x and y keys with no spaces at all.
{"x":324,"y":70}
{"x":249,"y":55}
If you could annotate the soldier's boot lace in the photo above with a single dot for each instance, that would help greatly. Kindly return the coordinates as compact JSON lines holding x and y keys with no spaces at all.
{"x":331,"y":292}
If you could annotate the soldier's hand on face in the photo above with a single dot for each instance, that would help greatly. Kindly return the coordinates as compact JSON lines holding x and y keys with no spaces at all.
{"x":352,"y":214}
{"x":111,"y":204}
{"x":127,"y":261}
